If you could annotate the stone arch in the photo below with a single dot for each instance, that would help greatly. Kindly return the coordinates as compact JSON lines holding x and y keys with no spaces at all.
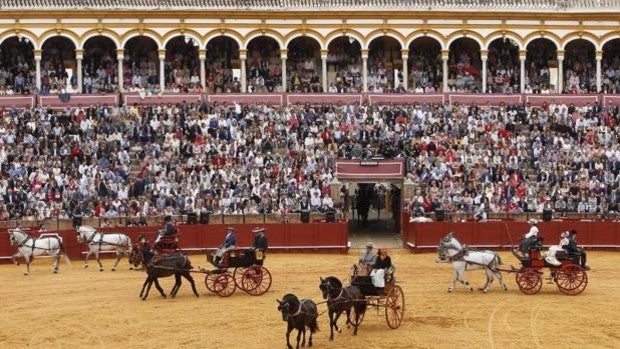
{"x":501,"y":34}
{"x":581,"y":35}
{"x":73,"y":37}
{"x":427,"y":33}
{"x":542,"y":34}
{"x":308,"y":33}
{"x":182,"y":32}
{"x":21,"y":33}
{"x":348,"y":32}
{"x":609,"y":37}
{"x":238,"y":38}
{"x":116,"y":39}
{"x":138,"y":32}
{"x":267,"y":33}
{"x":380,"y":33}
{"x":465,"y":34}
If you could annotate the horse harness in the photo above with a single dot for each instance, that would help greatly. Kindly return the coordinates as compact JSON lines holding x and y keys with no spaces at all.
{"x":34,"y":247}
{"x":460,"y":257}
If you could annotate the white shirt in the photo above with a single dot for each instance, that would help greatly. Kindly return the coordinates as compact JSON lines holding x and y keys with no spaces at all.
{"x":533,"y":232}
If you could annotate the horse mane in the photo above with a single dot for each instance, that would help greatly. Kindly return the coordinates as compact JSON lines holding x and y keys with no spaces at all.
{"x":290,"y":298}
{"x":334,"y":280}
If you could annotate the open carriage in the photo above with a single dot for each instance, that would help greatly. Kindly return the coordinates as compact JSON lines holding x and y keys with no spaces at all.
{"x":390,"y":298}
{"x":248,"y":273}
{"x":569,"y":276}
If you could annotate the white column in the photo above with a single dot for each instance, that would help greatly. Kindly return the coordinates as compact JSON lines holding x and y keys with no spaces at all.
{"x":483,"y":58}
{"x":445,"y":55}
{"x":37,"y":62}
{"x":120,"y":57}
{"x":365,"y":70}
{"x":599,"y":72}
{"x":324,"y":70}
{"x":560,"y":85}
{"x":162,"y":70}
{"x":405,"y":57}
{"x":202,"y":56}
{"x":244,"y":82}
{"x":79,"y":74}
{"x":283,"y":56}
{"x":522,"y":56}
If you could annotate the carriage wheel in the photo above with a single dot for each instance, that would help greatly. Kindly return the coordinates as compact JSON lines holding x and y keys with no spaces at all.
{"x":529,"y":281}
{"x":210,"y":281}
{"x":571,"y":279}
{"x":224,"y":285}
{"x":395,"y":307}
{"x":238,"y":276}
{"x":256,"y":280}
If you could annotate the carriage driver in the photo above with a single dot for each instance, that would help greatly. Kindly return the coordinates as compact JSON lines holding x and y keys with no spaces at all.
{"x":530,"y":239}
{"x":575,"y":251}
{"x":368,"y":258}
{"x":260,"y":243}
{"x":382,"y":264}
{"x":230,"y":241}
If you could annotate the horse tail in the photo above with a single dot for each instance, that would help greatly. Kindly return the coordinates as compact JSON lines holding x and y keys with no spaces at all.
{"x":313,"y":324}
{"x":129,"y":246}
{"x":63,"y":252}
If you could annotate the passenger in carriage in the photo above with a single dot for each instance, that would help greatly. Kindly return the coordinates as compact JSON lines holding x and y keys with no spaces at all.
{"x":530,"y":239}
{"x":382,"y":264}
{"x":578,"y":254}
{"x":169,"y":228}
{"x":169,"y":231}
{"x":367,"y":260}
{"x":260,"y":243}
{"x":551,"y":257}
{"x":230,"y":241}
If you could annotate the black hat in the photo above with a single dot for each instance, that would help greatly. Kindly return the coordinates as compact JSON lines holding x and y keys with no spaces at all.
{"x":573,"y":232}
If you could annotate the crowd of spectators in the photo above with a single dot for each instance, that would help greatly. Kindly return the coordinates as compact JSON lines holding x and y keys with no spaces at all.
{"x":17,"y":73}
{"x":345,"y":64}
{"x":579,"y":70}
{"x":611,"y":74}
{"x":463,"y":75}
{"x":425,"y":71}
{"x":503,"y":68}
{"x":162,"y":159}
{"x":100,"y":68}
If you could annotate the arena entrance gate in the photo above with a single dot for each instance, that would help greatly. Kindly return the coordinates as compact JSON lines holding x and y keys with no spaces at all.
{"x":370,"y":193}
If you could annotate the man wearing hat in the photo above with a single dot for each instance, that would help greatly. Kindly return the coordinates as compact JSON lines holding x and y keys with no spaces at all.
{"x":368,"y":258}
{"x":578,"y":254}
{"x":260,"y":244}
{"x":229,"y":243}
{"x":530,"y":239}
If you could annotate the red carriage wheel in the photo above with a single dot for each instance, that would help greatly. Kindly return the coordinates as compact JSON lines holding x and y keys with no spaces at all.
{"x":238,"y":276}
{"x":571,"y":279}
{"x":395,"y":307}
{"x":256,"y":280}
{"x":224,"y":285}
{"x":210,"y":281}
{"x":529,"y":281}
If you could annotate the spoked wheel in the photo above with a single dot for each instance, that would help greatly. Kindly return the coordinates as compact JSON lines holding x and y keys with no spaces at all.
{"x":395,"y":307}
{"x":256,"y":280}
{"x":210,"y":281}
{"x":571,"y":279}
{"x":529,"y":281}
{"x":224,"y":285}
{"x":238,"y":276}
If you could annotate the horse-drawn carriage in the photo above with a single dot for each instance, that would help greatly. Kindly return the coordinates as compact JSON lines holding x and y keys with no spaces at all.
{"x":248,"y":273}
{"x":391,"y":298}
{"x":570,"y":278}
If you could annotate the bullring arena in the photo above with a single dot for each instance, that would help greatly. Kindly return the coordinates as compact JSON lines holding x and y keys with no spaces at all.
{"x":79,"y":308}
{"x":449,"y":135}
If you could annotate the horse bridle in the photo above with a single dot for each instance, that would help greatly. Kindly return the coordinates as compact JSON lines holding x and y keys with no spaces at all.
{"x":23,"y":242}
{"x":330,"y":289}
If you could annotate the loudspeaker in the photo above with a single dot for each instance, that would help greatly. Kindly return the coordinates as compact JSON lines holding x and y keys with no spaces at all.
{"x":305,"y":217}
{"x":547,"y":215}
{"x":204,"y":217}
{"x":77,"y":222}
{"x":191,"y":218}
{"x":440,"y":215}
{"x":330,"y":216}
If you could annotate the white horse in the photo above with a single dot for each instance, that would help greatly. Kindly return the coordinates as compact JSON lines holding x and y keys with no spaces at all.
{"x":29,"y":247}
{"x":98,"y":242}
{"x":450,"y":250}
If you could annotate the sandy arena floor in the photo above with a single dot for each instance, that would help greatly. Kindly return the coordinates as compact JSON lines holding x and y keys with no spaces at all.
{"x":79,"y":309}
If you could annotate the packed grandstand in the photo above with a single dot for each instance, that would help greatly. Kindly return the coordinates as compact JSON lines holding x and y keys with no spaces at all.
{"x":156,"y":158}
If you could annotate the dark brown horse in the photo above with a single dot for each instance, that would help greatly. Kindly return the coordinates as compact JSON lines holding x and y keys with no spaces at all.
{"x":165,"y":266}
{"x":342,"y":299}
{"x":298,"y":315}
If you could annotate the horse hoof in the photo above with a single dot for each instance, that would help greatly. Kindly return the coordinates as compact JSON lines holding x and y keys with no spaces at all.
{"x":86,"y":267}
{"x":480,"y":288}
{"x":485,"y":291}
{"x":113,"y":269}
{"x":100,"y":269}
{"x":449,"y":290}
{"x":55,"y":271}
{"x":25,"y":274}
{"x":130,"y":268}
{"x":471,"y":289}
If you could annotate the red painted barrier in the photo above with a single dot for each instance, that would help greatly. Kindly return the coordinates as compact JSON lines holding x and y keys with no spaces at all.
{"x":287,"y":237}
{"x":425,"y":236}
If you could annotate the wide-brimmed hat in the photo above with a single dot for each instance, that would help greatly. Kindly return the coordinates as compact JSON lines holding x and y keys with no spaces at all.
{"x":533,"y":221}
{"x":231,"y":229}
{"x":369,"y":244}
{"x":258,"y":230}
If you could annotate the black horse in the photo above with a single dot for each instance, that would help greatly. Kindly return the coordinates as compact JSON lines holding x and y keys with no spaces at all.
{"x":298,"y":315}
{"x":174,"y":264}
{"x":342,"y":299}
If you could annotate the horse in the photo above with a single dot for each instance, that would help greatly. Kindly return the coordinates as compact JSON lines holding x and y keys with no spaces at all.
{"x":299,"y":315}
{"x":174,"y":264}
{"x":28,"y":247}
{"x":450,"y":250}
{"x":341,"y":299}
{"x":98,"y":242}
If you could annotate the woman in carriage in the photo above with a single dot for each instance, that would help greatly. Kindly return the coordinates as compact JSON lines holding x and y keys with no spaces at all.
{"x":383,"y":267}
{"x":168,"y":238}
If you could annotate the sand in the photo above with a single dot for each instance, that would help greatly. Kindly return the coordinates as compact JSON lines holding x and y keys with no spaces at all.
{"x":79,"y":309}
